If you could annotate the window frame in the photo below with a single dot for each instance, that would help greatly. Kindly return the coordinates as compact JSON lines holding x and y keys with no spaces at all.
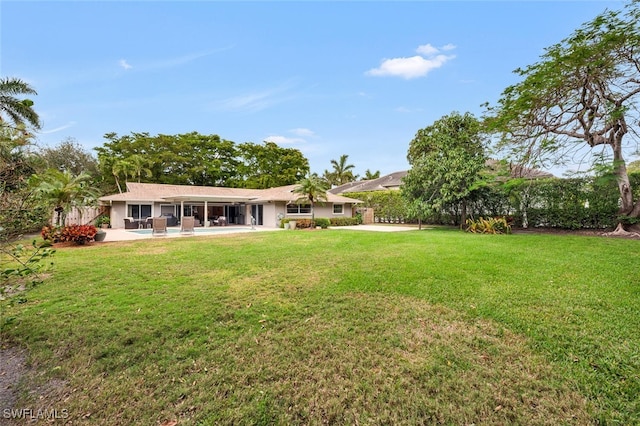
{"x":300,"y":209}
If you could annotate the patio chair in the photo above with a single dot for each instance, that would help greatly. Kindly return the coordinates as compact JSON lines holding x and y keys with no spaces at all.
{"x":130,"y":223}
{"x":187,"y":224}
{"x":220,"y":221}
{"x":159,"y":226}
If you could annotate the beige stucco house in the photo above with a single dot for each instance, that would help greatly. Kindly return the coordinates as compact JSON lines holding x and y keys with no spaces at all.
{"x":208,"y":203}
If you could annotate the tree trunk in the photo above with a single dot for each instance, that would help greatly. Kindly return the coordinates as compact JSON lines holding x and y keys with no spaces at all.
{"x":463,"y":214}
{"x":624,"y":186}
{"x":118,"y":183}
{"x":627,"y":207}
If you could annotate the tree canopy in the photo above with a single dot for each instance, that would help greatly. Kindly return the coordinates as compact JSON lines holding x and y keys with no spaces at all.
{"x":267,"y":165}
{"x":16,"y":112}
{"x":69,"y":155}
{"x":196,"y":159}
{"x":446,"y":159}
{"x":583,"y":93}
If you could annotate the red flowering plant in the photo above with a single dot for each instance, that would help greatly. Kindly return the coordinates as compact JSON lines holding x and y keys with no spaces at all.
{"x":78,"y":234}
{"x":51,"y":233}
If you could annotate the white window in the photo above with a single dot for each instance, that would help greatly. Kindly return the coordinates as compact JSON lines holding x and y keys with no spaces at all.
{"x":139,"y":211}
{"x":338,"y":209}
{"x":298,"y":208}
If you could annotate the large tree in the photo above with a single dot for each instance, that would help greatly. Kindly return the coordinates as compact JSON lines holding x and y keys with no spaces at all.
{"x":583,"y":93}
{"x":195,"y":159}
{"x":70,"y":155}
{"x":14,"y":111}
{"x":446,"y":159}
{"x":19,"y":211}
{"x":268,"y":165}
{"x":184,"y":159}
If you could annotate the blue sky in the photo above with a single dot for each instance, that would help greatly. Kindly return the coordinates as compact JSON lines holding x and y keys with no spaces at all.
{"x":329,"y":78}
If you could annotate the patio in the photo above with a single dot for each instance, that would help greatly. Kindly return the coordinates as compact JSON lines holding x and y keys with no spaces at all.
{"x":119,"y":234}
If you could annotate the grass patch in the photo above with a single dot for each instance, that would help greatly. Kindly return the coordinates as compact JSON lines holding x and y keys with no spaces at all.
{"x":339,"y":327}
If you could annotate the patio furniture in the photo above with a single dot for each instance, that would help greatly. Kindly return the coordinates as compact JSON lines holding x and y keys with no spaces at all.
{"x":130,"y":223}
{"x":148,"y":223}
{"x":220,"y":221}
{"x":186,"y":227}
{"x":159,"y":226}
{"x":171,"y":219}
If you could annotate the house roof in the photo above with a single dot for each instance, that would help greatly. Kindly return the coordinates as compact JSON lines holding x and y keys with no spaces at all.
{"x":394,"y":180}
{"x":390,"y":181}
{"x":175,"y":193}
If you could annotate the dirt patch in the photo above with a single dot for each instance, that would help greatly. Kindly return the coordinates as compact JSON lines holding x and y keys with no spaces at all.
{"x":12,"y":368}
{"x":13,"y":372}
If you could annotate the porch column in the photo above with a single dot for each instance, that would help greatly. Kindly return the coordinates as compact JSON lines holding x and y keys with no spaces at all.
{"x":206,"y":211}
{"x":181,"y":210}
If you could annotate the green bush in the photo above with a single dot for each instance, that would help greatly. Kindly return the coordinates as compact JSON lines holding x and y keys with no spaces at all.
{"x":102,"y":220}
{"x":323,"y":222}
{"x":344,"y":221}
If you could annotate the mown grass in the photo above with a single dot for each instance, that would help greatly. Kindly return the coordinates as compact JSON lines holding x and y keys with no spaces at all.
{"x":338,"y":327}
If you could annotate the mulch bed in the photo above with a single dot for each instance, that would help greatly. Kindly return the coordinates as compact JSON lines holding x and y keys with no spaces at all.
{"x":583,"y":232}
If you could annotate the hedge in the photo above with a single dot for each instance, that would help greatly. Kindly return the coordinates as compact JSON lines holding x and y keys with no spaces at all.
{"x":576,"y":203}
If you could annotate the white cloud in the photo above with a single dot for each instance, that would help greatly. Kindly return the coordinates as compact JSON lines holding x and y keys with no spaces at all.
{"x":257,"y":101}
{"x":429,"y":58}
{"x":302,"y":132}
{"x":59,"y":129}
{"x":284,"y":140}
{"x":427,"y":50}
{"x":124,"y":64}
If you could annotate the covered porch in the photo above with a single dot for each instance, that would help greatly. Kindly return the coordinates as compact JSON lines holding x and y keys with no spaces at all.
{"x":212,"y":210}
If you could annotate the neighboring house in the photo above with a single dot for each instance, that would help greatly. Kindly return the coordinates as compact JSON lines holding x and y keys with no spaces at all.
{"x":206,"y":203}
{"x":384,"y":183}
{"x":393,"y":181}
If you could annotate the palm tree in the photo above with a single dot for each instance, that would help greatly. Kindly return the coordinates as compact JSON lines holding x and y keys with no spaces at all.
{"x":64,"y":191}
{"x":121,"y":168}
{"x":342,"y":172}
{"x":311,"y":189}
{"x":139,"y":166}
{"x":18,"y":112}
{"x":370,"y":176}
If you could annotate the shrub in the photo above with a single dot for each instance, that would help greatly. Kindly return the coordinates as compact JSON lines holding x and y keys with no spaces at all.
{"x":78,"y":234}
{"x":344,"y":221}
{"x":323,"y":222}
{"x":492,"y":225}
{"x":102,"y":220}
{"x":303,"y":223}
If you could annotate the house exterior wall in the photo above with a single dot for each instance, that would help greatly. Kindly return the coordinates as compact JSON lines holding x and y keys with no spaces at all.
{"x":325,"y":210}
{"x":271,"y":212}
{"x":118,"y":213}
{"x":270,"y":215}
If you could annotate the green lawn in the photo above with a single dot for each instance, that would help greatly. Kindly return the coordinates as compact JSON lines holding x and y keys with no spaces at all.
{"x":338,"y":327}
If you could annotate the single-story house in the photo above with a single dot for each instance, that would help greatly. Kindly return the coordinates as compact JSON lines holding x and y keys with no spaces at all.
{"x":207,"y":203}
